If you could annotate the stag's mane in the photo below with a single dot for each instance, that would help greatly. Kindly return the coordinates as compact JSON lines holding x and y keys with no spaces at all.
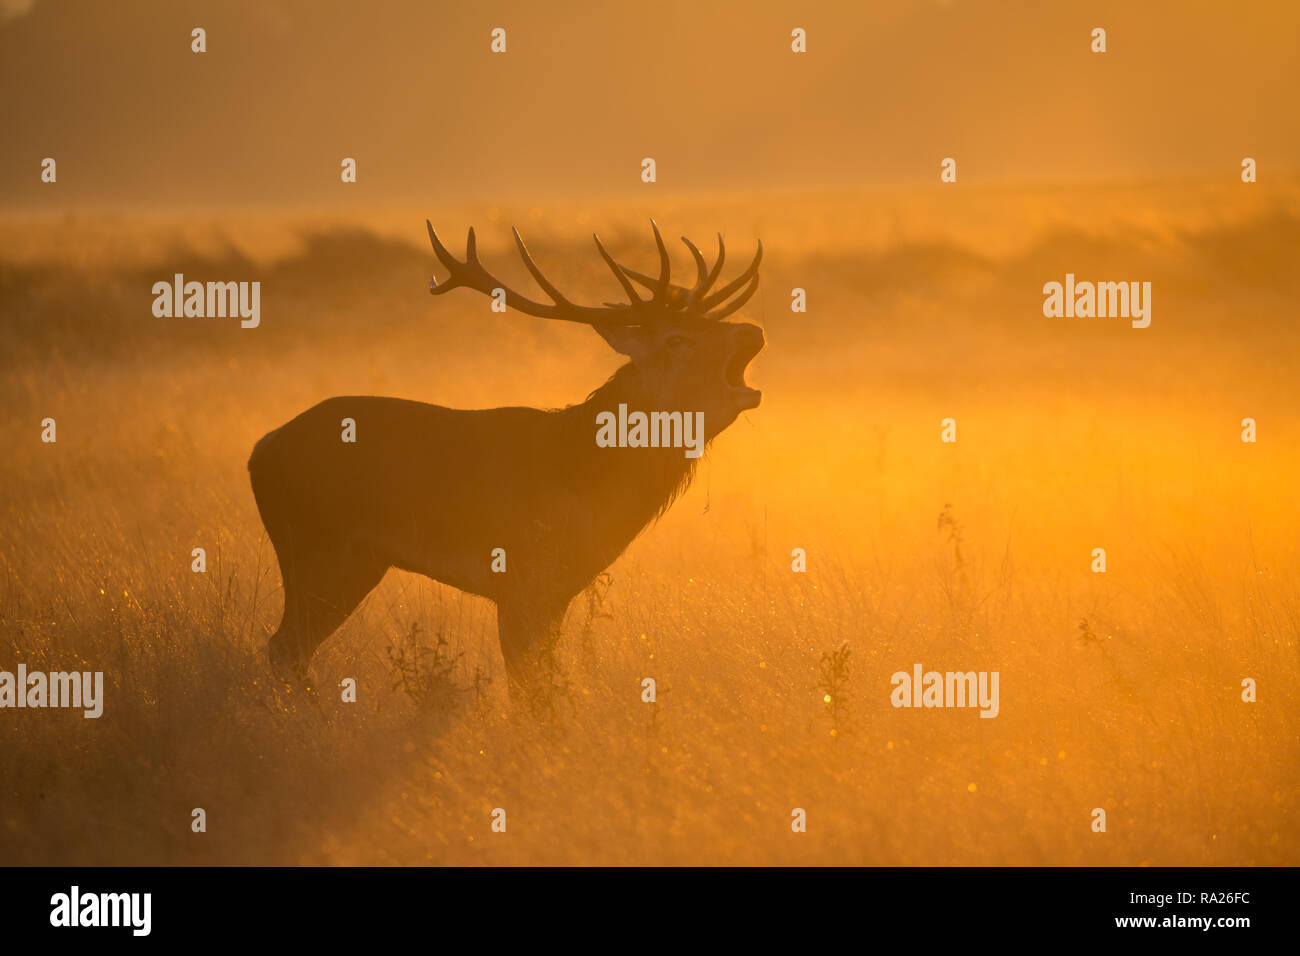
{"x":618,"y":383}
{"x":621,"y":386}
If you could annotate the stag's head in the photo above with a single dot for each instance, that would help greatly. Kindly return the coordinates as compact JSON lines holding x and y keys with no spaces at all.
{"x":683,"y":355}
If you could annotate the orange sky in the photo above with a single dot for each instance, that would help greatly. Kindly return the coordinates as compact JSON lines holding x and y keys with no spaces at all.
{"x":709,"y":89}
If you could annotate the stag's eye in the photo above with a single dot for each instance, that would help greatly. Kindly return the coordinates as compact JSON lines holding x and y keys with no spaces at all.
{"x":677,"y":341}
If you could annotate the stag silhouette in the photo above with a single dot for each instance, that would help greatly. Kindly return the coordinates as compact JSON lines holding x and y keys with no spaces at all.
{"x":437,"y":490}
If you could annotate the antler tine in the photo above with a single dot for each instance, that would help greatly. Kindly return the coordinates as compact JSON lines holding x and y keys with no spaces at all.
{"x":665,"y":266}
{"x":447,"y":259}
{"x":730,"y":288}
{"x":662,"y":287}
{"x":737,"y":302}
{"x":618,"y":273}
{"x":701,"y":267}
{"x":556,"y":296}
{"x":702,"y":288}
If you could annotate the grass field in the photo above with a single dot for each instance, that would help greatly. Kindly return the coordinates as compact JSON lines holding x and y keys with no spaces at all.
{"x":1119,"y":690}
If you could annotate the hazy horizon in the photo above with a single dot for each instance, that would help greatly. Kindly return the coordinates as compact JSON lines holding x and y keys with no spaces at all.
{"x":286,"y":90}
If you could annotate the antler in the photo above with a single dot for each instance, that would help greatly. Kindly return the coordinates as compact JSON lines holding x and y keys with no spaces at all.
{"x":666,"y":297}
{"x":470,"y":274}
{"x":694,"y":298}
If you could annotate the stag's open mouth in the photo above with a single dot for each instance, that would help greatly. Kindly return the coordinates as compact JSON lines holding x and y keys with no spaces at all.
{"x":734,"y":372}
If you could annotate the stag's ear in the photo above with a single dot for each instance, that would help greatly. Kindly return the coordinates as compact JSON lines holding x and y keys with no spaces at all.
{"x":630,"y":340}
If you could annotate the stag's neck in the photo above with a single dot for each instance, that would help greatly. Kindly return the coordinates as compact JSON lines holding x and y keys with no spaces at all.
{"x":635,"y":485}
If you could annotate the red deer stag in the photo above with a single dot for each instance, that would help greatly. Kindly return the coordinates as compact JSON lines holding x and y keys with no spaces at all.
{"x":438,"y":490}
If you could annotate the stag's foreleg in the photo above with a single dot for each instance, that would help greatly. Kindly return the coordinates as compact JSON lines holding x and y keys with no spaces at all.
{"x":529,"y":631}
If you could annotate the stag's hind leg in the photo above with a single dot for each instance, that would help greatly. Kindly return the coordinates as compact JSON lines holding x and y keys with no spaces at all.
{"x":323,"y":584}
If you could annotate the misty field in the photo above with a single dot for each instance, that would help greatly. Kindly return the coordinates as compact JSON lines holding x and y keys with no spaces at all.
{"x":1120,"y":691}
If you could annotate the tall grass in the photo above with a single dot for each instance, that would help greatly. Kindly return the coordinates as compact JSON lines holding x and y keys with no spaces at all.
{"x":1120,"y":691}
